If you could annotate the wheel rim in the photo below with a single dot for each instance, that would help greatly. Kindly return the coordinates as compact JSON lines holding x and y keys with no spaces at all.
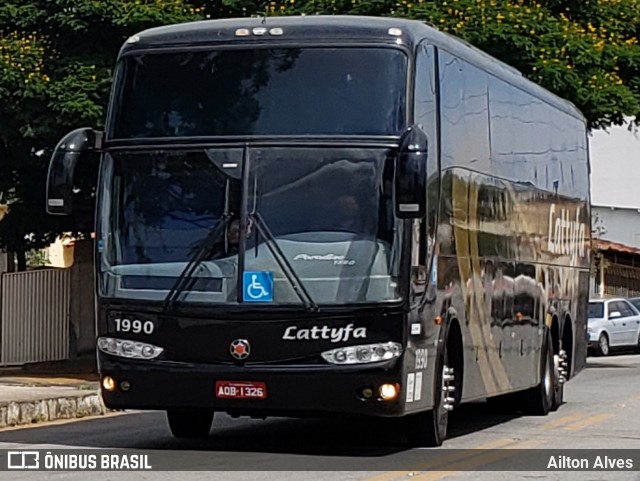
{"x":604,"y":344}
{"x":442,"y":411}
{"x":548,"y":379}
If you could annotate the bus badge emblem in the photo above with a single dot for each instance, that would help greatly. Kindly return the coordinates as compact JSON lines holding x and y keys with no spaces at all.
{"x":240,"y":349}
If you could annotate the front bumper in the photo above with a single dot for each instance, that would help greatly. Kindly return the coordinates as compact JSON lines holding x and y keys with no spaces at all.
{"x":291,"y":390}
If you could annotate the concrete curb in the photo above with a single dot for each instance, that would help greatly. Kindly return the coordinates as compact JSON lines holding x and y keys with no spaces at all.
{"x":16,"y":413}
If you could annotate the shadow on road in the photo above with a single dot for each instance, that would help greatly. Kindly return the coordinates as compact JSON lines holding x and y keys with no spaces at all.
{"x":334,"y":437}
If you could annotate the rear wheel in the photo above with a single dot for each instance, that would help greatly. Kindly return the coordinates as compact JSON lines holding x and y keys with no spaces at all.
{"x":561,"y":373}
{"x":190,"y":424}
{"x":638,"y":344}
{"x":539,"y":399}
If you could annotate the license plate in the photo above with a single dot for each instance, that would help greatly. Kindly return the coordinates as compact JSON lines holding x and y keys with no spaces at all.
{"x":241,"y":390}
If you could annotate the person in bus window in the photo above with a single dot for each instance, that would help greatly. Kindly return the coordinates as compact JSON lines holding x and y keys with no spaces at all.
{"x":233,"y":236}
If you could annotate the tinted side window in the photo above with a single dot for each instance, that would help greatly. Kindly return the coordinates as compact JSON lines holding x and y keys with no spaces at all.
{"x":464,"y":114}
{"x":596,"y":310}
{"x":620,"y":307}
{"x":426,"y":117}
{"x":628,"y":309}
{"x":635,"y":303}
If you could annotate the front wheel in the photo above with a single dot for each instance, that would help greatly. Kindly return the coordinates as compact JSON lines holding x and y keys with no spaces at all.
{"x":429,"y":428}
{"x":603,"y":345}
{"x":190,"y":424}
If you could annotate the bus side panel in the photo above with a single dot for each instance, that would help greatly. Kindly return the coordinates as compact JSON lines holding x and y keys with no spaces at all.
{"x":580,"y":325}
{"x":514,"y":221}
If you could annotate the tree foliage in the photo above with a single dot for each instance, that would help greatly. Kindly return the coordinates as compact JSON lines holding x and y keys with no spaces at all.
{"x":56,"y":60}
{"x":583,"y":50}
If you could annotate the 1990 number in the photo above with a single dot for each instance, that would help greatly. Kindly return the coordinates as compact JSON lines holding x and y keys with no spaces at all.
{"x":136,"y":326}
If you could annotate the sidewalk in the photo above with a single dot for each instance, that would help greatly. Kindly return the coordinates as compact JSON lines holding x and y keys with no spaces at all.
{"x":49,"y":391}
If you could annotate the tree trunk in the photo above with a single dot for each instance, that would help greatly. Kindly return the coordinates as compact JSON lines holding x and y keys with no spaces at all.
{"x":11,"y":261}
{"x":21,"y":256}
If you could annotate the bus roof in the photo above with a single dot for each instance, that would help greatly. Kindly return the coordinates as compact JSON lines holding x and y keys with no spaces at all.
{"x":337,"y":29}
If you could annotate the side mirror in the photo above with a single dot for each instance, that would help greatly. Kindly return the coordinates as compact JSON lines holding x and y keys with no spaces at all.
{"x":60,"y":178}
{"x":411,"y":175}
{"x":614,"y":315}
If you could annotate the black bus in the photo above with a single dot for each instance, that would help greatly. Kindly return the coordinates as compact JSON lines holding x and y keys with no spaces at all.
{"x":311,"y":216}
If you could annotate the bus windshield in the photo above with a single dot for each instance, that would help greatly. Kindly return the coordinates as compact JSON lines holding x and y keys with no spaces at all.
{"x":261,"y":91}
{"x":327,"y":216}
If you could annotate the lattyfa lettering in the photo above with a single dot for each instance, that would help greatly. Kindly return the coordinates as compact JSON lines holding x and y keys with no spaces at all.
{"x":334,"y":334}
{"x":566,"y":234}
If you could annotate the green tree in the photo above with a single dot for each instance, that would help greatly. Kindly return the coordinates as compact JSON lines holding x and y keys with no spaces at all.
{"x":583,"y":50}
{"x":56,"y":60}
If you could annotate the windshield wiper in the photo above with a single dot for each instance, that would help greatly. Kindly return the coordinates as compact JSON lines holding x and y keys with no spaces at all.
{"x":283,"y":263}
{"x":185,"y":279}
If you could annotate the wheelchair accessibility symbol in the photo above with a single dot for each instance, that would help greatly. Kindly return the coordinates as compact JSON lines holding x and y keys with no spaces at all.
{"x":257,"y":287}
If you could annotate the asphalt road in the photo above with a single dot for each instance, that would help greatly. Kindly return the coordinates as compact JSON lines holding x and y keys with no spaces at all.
{"x":601,"y":413}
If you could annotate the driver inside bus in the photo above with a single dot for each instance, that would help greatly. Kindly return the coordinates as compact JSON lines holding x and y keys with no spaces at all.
{"x":233,"y":236}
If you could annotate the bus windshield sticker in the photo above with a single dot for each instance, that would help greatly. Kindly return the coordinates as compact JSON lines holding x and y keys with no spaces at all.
{"x":411,"y":377}
{"x":257,"y":287}
{"x":417,"y":394}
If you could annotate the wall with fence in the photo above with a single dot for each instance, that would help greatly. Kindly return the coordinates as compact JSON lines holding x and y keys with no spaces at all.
{"x":34,"y":316}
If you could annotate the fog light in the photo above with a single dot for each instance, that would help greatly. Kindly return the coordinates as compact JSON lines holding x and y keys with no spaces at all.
{"x":388,"y":392}
{"x":125,"y":385}
{"x":108,"y":383}
{"x":367,"y":392}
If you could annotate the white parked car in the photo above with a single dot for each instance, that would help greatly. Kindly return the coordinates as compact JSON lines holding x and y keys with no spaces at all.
{"x":613,"y":323}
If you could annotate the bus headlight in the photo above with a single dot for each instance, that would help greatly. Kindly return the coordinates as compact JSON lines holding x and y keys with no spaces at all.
{"x":363,"y":354}
{"x":129,"y":349}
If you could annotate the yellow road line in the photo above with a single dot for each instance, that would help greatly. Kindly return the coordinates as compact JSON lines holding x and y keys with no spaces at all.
{"x":588,"y":422}
{"x":563,"y":420}
{"x":439,"y":460}
{"x":476,"y":461}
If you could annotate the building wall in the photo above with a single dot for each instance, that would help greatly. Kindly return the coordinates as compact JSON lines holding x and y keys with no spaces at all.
{"x":617,"y":225}
{"x":615,"y":158}
{"x":60,"y":253}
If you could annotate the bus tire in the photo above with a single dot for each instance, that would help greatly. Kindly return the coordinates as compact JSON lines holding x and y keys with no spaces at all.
{"x":539,"y":400}
{"x":190,"y":424}
{"x":429,"y":428}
